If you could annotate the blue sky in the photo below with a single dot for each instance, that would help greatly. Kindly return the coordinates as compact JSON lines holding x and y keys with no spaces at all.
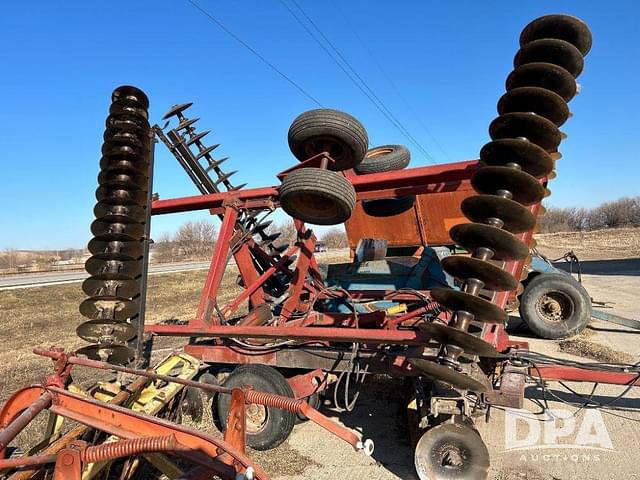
{"x":449,"y":60}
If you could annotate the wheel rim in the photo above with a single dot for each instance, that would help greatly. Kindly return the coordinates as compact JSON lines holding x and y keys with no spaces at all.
{"x":555,"y":307}
{"x":378,"y":151}
{"x":333,"y":146}
{"x":257,"y":416}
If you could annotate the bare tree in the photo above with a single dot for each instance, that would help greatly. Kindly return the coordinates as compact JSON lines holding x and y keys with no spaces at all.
{"x":287,"y":231}
{"x":164,"y":249}
{"x":195,"y":240}
{"x":335,"y":238}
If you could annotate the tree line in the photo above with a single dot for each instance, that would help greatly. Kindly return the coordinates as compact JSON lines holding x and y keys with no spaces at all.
{"x":624,"y":212}
{"x":195,"y":240}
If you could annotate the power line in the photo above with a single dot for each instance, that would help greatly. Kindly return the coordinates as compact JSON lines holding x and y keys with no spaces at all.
{"x":255,"y":52}
{"x":352,"y":74}
{"x":392,"y":83}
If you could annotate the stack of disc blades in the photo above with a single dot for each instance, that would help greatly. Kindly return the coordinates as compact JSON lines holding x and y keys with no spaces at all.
{"x":525,"y":139}
{"x":118,"y":230}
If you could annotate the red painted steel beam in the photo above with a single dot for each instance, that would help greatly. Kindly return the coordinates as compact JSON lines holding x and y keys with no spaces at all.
{"x":385,"y":182}
{"x":363,"y":335}
{"x":575,"y":374}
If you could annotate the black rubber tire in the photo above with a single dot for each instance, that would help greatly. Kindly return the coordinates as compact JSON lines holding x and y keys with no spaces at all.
{"x":571,"y":297}
{"x":384,"y":159}
{"x":387,"y":207}
{"x":325,"y":130}
{"x":317,"y":196}
{"x":279,"y":423}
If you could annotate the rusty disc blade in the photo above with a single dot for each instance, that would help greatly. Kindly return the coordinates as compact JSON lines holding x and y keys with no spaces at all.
{"x":471,"y":344}
{"x":121,"y":196}
{"x":524,"y":188}
{"x":95,"y":330}
{"x":516,"y":218}
{"x":533,"y":127}
{"x":474,"y":235}
{"x":131,"y":230}
{"x":108,"y":210}
{"x":452,"y":451}
{"x":551,"y":50}
{"x":544,"y":75}
{"x":109,"y":308}
{"x":493,"y":277}
{"x":130,"y":93}
{"x":98,"y":287}
{"x":114,"y":354}
{"x":565,"y":27}
{"x":113,"y":269}
{"x":538,"y":100}
{"x":115,"y":249}
{"x":123,"y":164}
{"x":111,"y":179}
{"x":482,"y":310}
{"x":176,"y":109}
{"x":532,"y":159}
{"x":456,"y":379}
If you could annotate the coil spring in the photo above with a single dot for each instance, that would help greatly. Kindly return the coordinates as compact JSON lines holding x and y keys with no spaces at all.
{"x":275,"y":401}
{"x":127,"y":448}
{"x":118,"y":229}
{"x":525,"y":139}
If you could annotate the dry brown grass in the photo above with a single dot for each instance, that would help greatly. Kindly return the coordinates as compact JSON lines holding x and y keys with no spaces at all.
{"x":45,"y":316}
{"x":595,"y":245}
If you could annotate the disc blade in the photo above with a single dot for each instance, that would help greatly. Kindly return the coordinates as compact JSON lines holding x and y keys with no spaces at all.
{"x":532,"y":159}
{"x":95,"y":330}
{"x":551,"y":50}
{"x":109,"y":308}
{"x":130,"y":93}
{"x":113,"y":269}
{"x":107,"y":210}
{"x":118,"y":230}
{"x":121,"y":196}
{"x":451,"y":451}
{"x":115,"y":249}
{"x":474,"y":235}
{"x":493,"y":277}
{"x":544,"y":75}
{"x":114,"y":354}
{"x":447,"y":375}
{"x":533,"y":127}
{"x":538,"y":100}
{"x":452,"y":336}
{"x":564,"y":27}
{"x":124,"y":180}
{"x":176,"y":109}
{"x":480,"y":208}
{"x":524,"y":188}
{"x":97,"y":287}
{"x":482,"y":310}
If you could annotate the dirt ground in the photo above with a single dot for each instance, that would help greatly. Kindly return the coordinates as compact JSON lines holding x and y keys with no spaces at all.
{"x":48,"y":315}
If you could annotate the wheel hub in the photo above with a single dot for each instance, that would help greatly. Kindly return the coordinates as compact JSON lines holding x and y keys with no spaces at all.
{"x":256,"y":418}
{"x":554,"y":307}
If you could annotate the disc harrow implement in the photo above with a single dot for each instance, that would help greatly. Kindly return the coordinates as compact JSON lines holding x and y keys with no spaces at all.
{"x":116,"y":263}
{"x":512,"y":177}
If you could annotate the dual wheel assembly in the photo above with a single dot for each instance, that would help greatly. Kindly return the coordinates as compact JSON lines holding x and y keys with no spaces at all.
{"x":324,"y":195}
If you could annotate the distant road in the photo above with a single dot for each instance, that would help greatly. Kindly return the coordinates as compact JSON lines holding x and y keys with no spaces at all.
{"x":28,"y":280}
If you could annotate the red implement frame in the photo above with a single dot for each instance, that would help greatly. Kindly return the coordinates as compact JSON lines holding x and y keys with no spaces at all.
{"x":140,"y":433}
{"x":439,"y":190}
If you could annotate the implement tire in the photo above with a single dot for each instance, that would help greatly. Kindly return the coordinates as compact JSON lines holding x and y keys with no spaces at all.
{"x":555,"y":305}
{"x":384,"y":159}
{"x":317,"y":196}
{"x":332,"y":131}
